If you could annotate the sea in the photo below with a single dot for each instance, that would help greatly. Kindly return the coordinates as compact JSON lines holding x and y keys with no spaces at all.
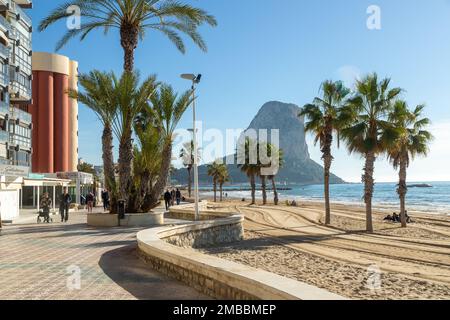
{"x":434,"y":199}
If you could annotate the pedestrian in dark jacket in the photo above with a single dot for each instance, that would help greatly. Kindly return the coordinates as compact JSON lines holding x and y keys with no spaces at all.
{"x":178,"y":196}
{"x":172,"y":195}
{"x":64,"y":203}
{"x":167,"y":199}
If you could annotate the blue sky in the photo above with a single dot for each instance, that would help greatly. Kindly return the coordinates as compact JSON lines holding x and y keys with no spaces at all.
{"x":267,"y":50}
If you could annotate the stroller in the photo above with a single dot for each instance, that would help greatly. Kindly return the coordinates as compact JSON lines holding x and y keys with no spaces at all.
{"x":45,"y":217}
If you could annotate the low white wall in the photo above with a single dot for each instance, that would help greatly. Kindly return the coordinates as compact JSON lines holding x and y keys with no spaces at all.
{"x":218,"y":277}
{"x":9,"y":205}
{"x":101,"y":220}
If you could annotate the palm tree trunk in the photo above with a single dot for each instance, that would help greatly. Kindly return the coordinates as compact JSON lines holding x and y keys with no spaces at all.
{"x":402,"y":190}
{"x":327,"y":160}
{"x":253,"y":186}
{"x":327,"y":164}
{"x":189,"y":169}
{"x":368,"y":188}
{"x":125,"y":163}
{"x":108,"y":165}
{"x":215,"y":190}
{"x":264,"y":191}
{"x":129,"y":41}
{"x":275,"y":192}
{"x":221,"y":192}
{"x":164,"y":172}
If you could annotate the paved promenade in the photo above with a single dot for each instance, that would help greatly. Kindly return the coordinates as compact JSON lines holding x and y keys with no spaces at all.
{"x":43,"y":262}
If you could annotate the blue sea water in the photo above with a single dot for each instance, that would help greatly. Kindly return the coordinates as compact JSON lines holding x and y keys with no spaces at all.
{"x":433,"y":200}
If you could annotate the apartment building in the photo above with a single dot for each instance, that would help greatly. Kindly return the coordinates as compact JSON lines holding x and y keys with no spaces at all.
{"x":15,"y":88}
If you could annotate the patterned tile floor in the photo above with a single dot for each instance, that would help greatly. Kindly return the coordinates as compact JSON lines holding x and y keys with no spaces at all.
{"x":37,"y":261}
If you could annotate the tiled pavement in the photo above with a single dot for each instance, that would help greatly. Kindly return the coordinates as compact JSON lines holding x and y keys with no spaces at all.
{"x":35,"y":262}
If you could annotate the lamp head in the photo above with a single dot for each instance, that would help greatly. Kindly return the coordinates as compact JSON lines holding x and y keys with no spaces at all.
{"x":192,"y":77}
{"x":188,"y":76}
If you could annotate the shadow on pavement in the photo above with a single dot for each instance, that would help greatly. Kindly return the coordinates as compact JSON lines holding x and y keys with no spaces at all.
{"x":125,"y":268}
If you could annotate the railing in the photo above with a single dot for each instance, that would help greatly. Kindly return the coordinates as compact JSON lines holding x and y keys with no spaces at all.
{"x":20,"y":114}
{"x":24,"y":40}
{"x":23,"y":15}
{"x":21,"y":141}
{"x":23,"y":91}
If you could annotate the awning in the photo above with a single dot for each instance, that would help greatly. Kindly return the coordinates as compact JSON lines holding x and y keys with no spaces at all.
{"x":46,"y":182}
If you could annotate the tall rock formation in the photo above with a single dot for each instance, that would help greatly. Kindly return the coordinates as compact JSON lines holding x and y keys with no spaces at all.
{"x":298,"y":167}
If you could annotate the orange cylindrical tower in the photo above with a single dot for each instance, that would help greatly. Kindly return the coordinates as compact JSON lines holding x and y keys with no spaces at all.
{"x":55,"y":116}
{"x":61,"y":123}
{"x":45,"y":120}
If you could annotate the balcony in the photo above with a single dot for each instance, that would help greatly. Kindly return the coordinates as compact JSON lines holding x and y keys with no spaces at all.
{"x":17,"y":140}
{"x":4,"y":51}
{"x":4,"y":136}
{"x":24,"y":40}
{"x":4,"y":108}
{"x":23,"y":16}
{"x":4,"y":5}
{"x":4,"y":78}
{"x":5,"y":26}
{"x":22,"y":116}
{"x":19,"y":86}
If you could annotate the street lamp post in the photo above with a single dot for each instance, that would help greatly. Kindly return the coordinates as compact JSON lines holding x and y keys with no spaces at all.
{"x":195,"y":80}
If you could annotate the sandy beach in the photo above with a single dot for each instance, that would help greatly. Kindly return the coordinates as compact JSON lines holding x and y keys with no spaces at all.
{"x":292,"y":242}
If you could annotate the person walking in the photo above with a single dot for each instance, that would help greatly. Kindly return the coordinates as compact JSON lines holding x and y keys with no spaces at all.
{"x":90,"y":201}
{"x":64,"y":203}
{"x":46,"y":203}
{"x":178,"y":196}
{"x":167,"y":199}
{"x":105,"y":199}
{"x":173,"y":196}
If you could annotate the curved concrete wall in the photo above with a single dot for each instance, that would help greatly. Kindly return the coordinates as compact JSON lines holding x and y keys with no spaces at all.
{"x":216,"y":277}
{"x":55,"y":116}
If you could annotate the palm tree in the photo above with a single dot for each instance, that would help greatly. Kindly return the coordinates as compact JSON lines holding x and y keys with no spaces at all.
{"x":224,"y":177}
{"x":278,"y":154}
{"x":248,"y":166}
{"x":369,"y":133}
{"x":133,"y":18}
{"x":215,"y":171}
{"x":412,"y":141}
{"x":131,"y":99}
{"x":146,"y":165}
{"x":323,"y":121}
{"x":166,"y":111}
{"x":98,"y":95}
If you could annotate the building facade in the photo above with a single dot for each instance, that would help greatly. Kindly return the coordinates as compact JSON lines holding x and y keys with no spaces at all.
{"x":15,"y":88}
{"x":54,"y":114}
